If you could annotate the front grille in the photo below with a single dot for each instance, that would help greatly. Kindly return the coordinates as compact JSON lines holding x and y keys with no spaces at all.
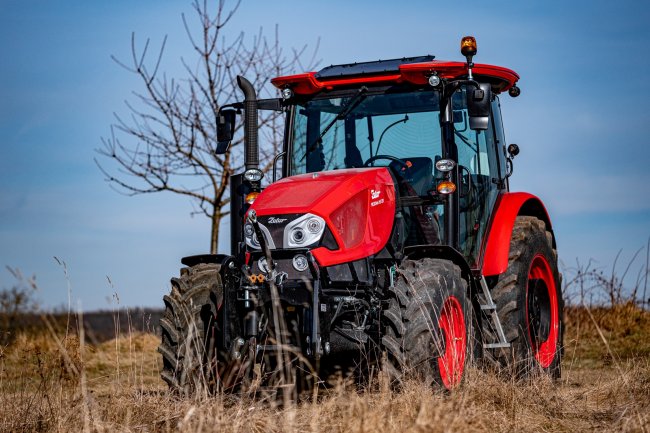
{"x":276,"y":224}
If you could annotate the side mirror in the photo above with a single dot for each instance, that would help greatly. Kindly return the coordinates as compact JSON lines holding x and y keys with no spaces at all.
{"x":225,"y":129}
{"x":274,"y":104}
{"x":478,"y":106}
{"x":513,"y":150}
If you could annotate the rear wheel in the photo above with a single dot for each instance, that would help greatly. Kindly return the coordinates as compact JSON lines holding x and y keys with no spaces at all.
{"x":427,"y":324}
{"x":529,"y":302}
{"x":188,"y":344}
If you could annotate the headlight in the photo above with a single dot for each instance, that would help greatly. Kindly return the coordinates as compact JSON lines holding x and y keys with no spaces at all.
{"x":298,"y":235}
{"x":304,"y":231}
{"x":300,"y":263}
{"x":251,"y":238}
{"x":263,"y":265}
{"x":314,"y":225}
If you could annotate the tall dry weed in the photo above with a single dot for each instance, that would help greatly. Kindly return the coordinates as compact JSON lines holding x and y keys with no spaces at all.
{"x":39,"y":397}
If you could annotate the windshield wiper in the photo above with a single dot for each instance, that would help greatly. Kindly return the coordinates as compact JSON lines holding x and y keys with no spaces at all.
{"x":345,"y":110}
{"x":404,"y":120}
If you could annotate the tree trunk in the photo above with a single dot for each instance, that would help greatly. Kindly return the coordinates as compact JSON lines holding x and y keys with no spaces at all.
{"x":214,"y":235}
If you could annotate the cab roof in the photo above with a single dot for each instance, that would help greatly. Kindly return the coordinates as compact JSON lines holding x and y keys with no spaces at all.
{"x":413,"y":70}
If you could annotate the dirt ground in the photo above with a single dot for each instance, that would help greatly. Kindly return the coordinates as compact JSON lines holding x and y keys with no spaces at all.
{"x":50,"y":383}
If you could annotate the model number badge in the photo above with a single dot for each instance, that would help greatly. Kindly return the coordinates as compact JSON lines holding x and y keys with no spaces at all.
{"x":374,"y":195}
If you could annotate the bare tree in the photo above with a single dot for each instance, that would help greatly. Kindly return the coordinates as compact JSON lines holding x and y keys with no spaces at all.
{"x":172,"y":130}
{"x":593,"y":285}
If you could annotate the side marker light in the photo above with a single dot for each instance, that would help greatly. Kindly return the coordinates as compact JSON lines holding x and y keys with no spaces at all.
{"x":446,"y":187}
{"x":251,"y":196}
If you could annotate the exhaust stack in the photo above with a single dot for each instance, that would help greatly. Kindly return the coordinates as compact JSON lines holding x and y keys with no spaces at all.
{"x":251,"y":151}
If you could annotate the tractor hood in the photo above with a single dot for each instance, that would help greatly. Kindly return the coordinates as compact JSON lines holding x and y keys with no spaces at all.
{"x":358,"y":206}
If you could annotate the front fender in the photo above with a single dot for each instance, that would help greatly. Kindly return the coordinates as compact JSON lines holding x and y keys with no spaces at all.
{"x":508,"y":208}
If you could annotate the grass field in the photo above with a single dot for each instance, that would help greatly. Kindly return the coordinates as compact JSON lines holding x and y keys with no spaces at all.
{"x":52,"y":383}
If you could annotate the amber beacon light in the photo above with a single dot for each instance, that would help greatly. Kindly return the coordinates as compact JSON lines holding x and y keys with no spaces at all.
{"x":468,"y":46}
{"x":468,"y":49}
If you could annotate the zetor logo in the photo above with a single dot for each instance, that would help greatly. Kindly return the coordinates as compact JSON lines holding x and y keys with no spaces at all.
{"x":374,"y":194}
{"x":274,"y":220}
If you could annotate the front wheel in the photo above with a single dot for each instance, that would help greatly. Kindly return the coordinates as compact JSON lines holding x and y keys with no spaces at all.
{"x":529,"y":302}
{"x":193,"y":362}
{"x":427,"y":324}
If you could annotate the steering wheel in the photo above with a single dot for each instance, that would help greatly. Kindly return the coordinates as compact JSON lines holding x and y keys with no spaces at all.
{"x":392,"y":158}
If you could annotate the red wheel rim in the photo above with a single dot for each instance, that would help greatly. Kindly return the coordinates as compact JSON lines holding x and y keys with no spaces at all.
{"x":452,"y":324}
{"x":542,"y":316}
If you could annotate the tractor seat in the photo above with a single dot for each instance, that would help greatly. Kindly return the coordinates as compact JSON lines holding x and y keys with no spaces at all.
{"x":418,"y":173}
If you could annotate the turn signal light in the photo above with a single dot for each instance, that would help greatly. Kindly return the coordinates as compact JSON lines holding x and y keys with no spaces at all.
{"x":251,"y":196}
{"x":468,"y":46}
{"x":446,"y":187}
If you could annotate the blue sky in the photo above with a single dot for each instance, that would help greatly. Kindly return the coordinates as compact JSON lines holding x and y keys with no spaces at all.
{"x":581,"y":123}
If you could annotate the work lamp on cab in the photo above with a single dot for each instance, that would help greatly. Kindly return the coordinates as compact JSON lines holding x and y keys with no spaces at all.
{"x":445,"y":165}
{"x":434,"y":80}
{"x":253,"y":175}
{"x":287,"y":93}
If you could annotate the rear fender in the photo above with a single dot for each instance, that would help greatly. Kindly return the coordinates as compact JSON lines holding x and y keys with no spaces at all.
{"x":508,"y":208}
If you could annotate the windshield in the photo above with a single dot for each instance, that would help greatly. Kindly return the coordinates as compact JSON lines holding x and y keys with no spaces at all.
{"x":401,"y":125}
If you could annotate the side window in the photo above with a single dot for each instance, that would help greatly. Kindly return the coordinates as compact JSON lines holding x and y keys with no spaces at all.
{"x":479,"y":165}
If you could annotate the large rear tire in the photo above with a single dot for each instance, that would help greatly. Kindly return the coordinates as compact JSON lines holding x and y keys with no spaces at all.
{"x":188,"y":343}
{"x":529,"y":302}
{"x":427,"y":324}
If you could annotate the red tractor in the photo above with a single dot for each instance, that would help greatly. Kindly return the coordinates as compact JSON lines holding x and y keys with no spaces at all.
{"x":391,"y":240}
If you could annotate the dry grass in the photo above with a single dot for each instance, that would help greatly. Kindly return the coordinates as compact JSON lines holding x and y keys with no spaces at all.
{"x":47,"y":384}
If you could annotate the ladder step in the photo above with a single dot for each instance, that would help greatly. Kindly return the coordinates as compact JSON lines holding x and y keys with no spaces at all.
{"x":496,"y":345}
{"x":496,"y":322}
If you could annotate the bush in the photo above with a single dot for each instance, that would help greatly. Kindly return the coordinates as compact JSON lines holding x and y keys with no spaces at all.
{"x":16,"y":304}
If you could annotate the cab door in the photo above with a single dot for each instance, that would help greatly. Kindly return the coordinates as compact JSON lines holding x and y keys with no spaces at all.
{"x":479,"y":176}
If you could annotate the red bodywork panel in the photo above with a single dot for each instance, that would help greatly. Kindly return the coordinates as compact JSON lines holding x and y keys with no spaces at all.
{"x":414,"y":73}
{"x":509,"y":206}
{"x":358,"y":206}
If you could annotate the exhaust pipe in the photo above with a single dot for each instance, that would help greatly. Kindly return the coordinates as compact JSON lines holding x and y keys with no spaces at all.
{"x":251,"y":150}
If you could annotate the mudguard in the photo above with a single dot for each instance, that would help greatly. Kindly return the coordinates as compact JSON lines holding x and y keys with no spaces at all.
{"x":508,"y":207}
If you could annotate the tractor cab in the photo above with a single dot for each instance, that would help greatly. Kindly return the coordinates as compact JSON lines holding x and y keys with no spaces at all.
{"x":384,"y":114}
